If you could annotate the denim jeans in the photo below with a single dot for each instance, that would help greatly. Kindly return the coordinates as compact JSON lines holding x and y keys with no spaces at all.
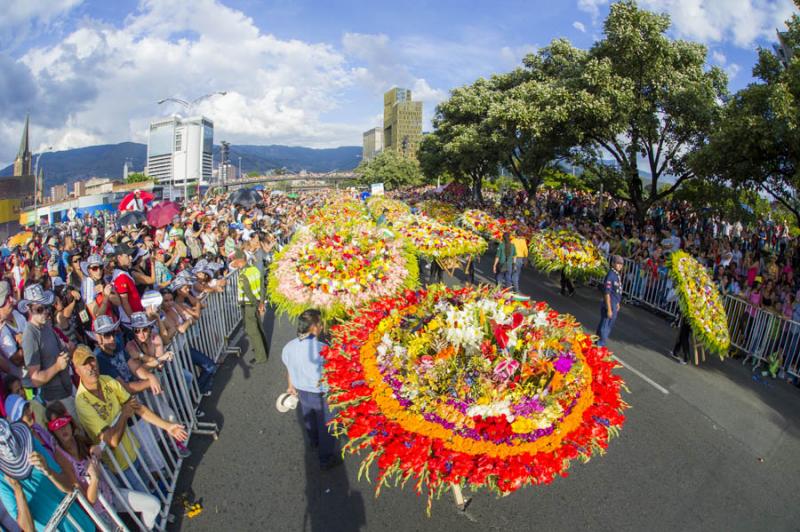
{"x":316,"y":416}
{"x":207,"y":369}
{"x":519,"y":262}
{"x":130,"y":474}
{"x":605,"y":326}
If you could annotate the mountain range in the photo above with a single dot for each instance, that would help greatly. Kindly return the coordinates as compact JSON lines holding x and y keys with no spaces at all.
{"x":107,"y":160}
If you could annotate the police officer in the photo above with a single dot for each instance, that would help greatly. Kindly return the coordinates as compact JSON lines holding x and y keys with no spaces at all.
{"x":612,"y":297}
{"x":252,"y":297}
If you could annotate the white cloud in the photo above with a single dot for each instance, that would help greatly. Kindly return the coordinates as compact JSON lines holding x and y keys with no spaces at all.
{"x":732,"y":70}
{"x":718,"y":57}
{"x":101,"y":83}
{"x":741,"y":22}
{"x":579,"y":26}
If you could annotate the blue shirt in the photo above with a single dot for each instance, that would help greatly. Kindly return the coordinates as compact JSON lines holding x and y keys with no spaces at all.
{"x":43,"y":496}
{"x":115,"y":365}
{"x":304,"y":363}
{"x":613,"y":287}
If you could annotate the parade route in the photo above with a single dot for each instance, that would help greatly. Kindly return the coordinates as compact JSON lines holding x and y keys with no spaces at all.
{"x":703,"y":448}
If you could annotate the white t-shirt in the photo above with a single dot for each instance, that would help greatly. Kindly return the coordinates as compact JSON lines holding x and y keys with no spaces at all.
{"x":8,"y":342}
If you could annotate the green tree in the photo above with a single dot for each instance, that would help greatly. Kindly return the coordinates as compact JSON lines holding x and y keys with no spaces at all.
{"x":469,"y":144}
{"x":391,"y":169}
{"x":136,"y":177}
{"x":533,"y":110}
{"x":642,"y":100}
{"x":757,"y":142}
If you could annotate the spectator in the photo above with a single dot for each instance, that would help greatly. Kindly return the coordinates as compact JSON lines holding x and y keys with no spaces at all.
{"x":104,"y":408}
{"x":84,"y":460}
{"x":46,"y":354}
{"x":31,"y":475}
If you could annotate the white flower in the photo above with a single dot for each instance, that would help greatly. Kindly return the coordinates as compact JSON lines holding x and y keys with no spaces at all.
{"x":541,"y":319}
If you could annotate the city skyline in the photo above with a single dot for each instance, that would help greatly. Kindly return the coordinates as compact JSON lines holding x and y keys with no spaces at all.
{"x":297,"y":73}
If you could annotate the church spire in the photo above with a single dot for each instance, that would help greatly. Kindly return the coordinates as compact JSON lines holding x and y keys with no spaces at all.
{"x":24,"y":142}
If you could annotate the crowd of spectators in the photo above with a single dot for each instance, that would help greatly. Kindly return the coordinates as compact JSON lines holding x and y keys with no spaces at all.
{"x":88,"y":311}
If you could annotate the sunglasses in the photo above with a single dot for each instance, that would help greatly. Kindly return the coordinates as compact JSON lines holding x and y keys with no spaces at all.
{"x":141,"y":330}
{"x":76,"y":261}
{"x":107,"y":334}
{"x":94,"y":268}
{"x":39,"y":309}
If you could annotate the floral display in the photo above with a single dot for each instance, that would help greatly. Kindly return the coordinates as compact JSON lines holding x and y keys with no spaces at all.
{"x":339,"y":271}
{"x":700,"y":302}
{"x":338,"y":212}
{"x":439,"y":211}
{"x":433,"y":240}
{"x":555,"y":250}
{"x":395,"y":209}
{"x":490,"y":227}
{"x":472,"y":388}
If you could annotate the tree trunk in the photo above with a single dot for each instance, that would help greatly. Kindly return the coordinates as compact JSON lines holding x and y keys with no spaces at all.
{"x":477,"y":189}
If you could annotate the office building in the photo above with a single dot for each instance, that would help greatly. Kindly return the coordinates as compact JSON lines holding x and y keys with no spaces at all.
{"x":179,"y":150}
{"x":402,"y":122}
{"x":58,"y":193}
{"x":78,"y":189}
{"x":373,"y":143}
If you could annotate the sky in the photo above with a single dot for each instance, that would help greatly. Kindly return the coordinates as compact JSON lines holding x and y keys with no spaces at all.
{"x":297,"y":72}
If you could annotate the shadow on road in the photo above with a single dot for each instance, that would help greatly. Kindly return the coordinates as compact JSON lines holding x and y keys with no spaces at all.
{"x":331,"y":505}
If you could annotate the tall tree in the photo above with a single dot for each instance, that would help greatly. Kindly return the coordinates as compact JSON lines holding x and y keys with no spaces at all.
{"x":533,"y":111}
{"x":645,"y":101}
{"x":391,"y":169}
{"x":757,"y":143}
{"x":470,"y":144}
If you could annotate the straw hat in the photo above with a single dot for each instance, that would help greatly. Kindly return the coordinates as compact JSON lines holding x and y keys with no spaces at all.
{"x":15,"y":449}
{"x":286,"y":402}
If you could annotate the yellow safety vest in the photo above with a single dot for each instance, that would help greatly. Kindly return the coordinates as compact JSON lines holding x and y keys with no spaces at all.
{"x":253,"y":277}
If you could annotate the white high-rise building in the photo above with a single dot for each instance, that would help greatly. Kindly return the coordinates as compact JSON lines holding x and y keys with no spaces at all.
{"x":180,"y":149}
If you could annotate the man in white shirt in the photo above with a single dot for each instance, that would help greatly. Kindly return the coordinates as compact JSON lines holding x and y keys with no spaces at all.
{"x":12,"y":325}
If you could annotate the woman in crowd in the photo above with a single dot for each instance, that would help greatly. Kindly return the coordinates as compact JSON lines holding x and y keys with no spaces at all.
{"x":84,"y":461}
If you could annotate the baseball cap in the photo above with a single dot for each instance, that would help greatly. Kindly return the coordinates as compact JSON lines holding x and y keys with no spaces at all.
{"x":616,"y":259}
{"x":81,"y":355}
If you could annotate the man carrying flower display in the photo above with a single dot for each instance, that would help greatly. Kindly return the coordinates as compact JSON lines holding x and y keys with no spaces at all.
{"x":612,"y":297}
{"x":521,"y":249}
{"x":303,"y":362}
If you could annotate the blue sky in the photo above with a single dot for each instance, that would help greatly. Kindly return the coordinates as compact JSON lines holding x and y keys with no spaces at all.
{"x":304,"y":72}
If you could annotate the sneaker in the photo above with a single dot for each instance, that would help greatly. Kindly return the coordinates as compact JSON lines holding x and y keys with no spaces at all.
{"x":183,"y":452}
{"x":208,"y":393}
{"x":682,"y":361}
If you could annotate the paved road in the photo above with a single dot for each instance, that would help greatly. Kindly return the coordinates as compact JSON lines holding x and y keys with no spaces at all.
{"x":703,"y":448}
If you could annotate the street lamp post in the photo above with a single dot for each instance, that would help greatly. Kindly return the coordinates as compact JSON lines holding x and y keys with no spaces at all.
{"x":240,"y":168}
{"x":188,"y":106}
{"x":36,"y":186}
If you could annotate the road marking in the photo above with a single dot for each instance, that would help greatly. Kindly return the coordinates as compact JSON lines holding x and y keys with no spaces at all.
{"x":644,"y":377}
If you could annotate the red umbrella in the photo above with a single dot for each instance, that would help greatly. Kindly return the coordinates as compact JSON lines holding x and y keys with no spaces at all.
{"x":146,"y":198}
{"x":162,"y":214}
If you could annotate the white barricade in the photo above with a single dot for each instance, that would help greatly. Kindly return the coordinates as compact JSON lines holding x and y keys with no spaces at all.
{"x":762,"y":335}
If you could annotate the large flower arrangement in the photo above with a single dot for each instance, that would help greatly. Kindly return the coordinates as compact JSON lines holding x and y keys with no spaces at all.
{"x":700,"y":302}
{"x":338,"y":212}
{"x":488,"y":226}
{"x":439,"y":211}
{"x":433,"y":240}
{"x":472,"y":388}
{"x":395,"y":209}
{"x":336,"y":272}
{"x":554,"y":250}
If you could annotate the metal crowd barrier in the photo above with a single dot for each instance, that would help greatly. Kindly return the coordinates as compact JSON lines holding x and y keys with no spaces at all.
{"x":156,"y":462}
{"x":762,"y":335}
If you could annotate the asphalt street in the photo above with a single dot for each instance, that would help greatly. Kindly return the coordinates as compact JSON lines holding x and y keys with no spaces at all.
{"x":703,"y":448}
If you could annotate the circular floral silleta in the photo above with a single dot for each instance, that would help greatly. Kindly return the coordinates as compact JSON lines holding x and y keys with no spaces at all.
{"x":433,"y":240}
{"x":337,"y":272}
{"x":700,"y":302}
{"x":490,"y":227}
{"x":395,"y":209}
{"x":555,"y":250}
{"x":338,"y":213}
{"x":470,"y":388}
{"x":439,"y":210}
